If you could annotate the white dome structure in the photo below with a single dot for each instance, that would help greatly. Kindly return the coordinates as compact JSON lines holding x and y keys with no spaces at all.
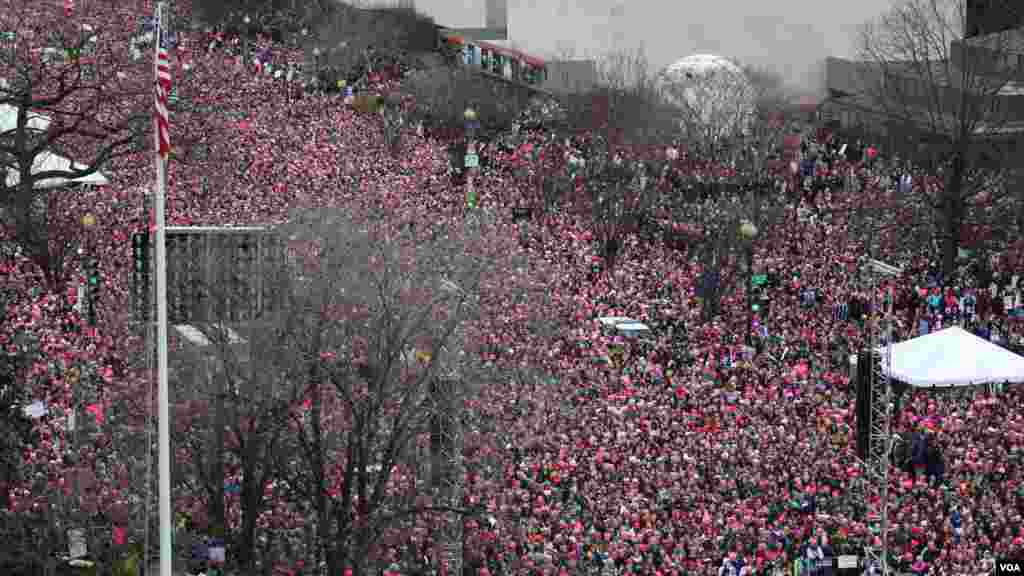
{"x":715,"y":95}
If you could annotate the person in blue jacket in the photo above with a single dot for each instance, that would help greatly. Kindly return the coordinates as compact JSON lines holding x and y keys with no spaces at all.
{"x":956,"y":523}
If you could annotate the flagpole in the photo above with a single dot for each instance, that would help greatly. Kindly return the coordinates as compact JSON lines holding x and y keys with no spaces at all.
{"x":164,"y":430}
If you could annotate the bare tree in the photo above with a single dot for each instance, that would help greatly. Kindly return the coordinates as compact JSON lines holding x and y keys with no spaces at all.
{"x":619,"y":194}
{"x":393,"y":111}
{"x":625,"y":118}
{"x":373,"y":338}
{"x":70,"y":105}
{"x":771,"y":93}
{"x":713,"y":220}
{"x":442,"y":95}
{"x":357,"y":40}
{"x":944,"y":100}
{"x":235,"y":426}
{"x":16,"y":426}
{"x":626,"y":106}
{"x":716,"y":101}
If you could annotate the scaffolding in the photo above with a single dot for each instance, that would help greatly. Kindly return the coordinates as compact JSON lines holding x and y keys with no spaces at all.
{"x":877,"y":465}
{"x":448,"y":473}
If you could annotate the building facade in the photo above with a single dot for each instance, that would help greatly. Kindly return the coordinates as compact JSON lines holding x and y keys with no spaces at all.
{"x":570,"y":76}
{"x":984,"y":17}
{"x":908,"y":111}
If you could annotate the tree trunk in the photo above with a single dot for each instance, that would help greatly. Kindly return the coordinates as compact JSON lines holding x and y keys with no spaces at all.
{"x":218,"y":524}
{"x":611,"y":251}
{"x":247,"y":537}
{"x":1016,"y":180}
{"x":952,"y":217}
{"x":324,"y":532}
{"x":334,"y":564}
{"x":30,"y":233}
{"x":360,"y":560}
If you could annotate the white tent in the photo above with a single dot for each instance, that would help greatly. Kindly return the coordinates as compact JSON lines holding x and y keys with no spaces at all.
{"x":48,"y":161}
{"x":9,"y":119}
{"x":953,"y":357}
{"x":626,"y":326}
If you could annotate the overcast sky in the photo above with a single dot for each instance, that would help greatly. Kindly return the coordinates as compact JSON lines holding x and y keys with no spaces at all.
{"x":789,"y":35}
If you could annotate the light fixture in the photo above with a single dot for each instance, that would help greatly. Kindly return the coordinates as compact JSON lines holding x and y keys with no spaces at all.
{"x":748,"y":230}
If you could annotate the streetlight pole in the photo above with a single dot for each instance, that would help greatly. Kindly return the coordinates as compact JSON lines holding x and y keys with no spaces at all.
{"x":749,"y":232}
{"x":90,"y":273}
{"x":245,"y":41}
{"x":471,"y":160}
{"x":316,"y":67}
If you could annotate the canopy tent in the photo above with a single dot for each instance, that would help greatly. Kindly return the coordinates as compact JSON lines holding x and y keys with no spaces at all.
{"x":625,"y":326}
{"x":9,"y":119}
{"x":48,"y":161}
{"x":953,"y":357}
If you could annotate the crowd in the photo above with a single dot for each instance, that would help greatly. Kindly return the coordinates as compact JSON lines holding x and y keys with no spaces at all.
{"x":680,"y":452}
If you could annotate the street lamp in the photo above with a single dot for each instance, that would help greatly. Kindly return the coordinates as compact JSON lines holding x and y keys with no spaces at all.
{"x":471,"y":160}
{"x":88,"y":288}
{"x":748,"y":231}
{"x":245,"y":40}
{"x":316,"y":66}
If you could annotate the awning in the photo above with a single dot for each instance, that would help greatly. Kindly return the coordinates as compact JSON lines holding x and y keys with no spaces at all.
{"x":953,"y":357}
{"x":46,"y":162}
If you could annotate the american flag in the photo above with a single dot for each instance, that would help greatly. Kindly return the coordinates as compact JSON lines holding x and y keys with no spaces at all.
{"x":163,"y":88}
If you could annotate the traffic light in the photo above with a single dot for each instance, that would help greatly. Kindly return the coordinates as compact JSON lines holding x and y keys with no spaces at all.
{"x":140,"y":275}
{"x":140,"y":252}
{"x":92,"y":276}
{"x":92,"y":288}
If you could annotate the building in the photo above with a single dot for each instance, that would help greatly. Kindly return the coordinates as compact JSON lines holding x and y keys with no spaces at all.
{"x":570,"y":76}
{"x":858,"y":95}
{"x":495,"y":19}
{"x":984,"y":17}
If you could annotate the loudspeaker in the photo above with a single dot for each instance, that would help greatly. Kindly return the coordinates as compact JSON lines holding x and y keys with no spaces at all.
{"x":865,"y":363}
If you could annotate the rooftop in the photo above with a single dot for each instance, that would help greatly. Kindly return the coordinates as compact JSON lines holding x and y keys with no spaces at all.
{"x":1011,"y":41}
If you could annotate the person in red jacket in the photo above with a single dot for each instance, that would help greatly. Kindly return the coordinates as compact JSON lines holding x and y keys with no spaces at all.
{"x":951,"y":305}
